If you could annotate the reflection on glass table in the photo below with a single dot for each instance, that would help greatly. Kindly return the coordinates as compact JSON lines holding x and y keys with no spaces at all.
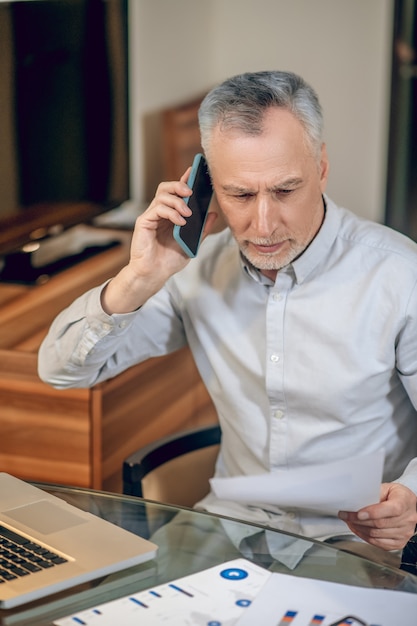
{"x":191,"y":541}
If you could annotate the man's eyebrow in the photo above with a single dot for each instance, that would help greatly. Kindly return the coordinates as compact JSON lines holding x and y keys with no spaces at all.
{"x":286,"y":184}
{"x":237,"y":189}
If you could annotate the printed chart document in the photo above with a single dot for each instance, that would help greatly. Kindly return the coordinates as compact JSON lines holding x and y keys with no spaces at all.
{"x":215,"y":597}
{"x":239,"y":593}
{"x":346,"y":485}
{"x":289,"y":601}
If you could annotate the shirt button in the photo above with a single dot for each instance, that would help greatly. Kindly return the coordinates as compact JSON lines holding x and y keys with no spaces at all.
{"x":106,"y":326}
{"x":274,"y":358}
{"x":278,"y":414}
{"x":277,"y":297}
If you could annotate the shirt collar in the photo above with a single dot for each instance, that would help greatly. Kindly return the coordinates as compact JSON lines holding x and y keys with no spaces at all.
{"x":314,"y":253}
{"x":321,"y":244}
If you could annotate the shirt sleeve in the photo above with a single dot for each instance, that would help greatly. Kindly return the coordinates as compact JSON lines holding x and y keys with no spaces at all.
{"x":407,"y":371}
{"x":409,"y":476}
{"x":406,"y":352}
{"x":78,"y":343}
{"x":85,"y":345}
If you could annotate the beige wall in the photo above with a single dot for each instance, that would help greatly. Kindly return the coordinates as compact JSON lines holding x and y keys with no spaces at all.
{"x":342,"y":47}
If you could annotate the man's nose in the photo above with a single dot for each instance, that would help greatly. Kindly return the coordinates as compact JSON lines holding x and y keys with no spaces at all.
{"x":265,"y":215}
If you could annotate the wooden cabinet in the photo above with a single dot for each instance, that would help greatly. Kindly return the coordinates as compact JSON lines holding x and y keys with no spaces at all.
{"x":171,"y":139}
{"x":81,"y":436}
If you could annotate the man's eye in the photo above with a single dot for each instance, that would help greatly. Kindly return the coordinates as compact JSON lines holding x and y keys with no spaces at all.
{"x":283,"y":192}
{"x":243,"y":196}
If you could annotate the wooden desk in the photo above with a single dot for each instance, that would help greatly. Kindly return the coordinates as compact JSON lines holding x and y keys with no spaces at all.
{"x":81,"y":436}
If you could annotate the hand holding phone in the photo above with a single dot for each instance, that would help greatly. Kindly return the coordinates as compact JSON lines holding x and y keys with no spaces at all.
{"x":189,"y":235}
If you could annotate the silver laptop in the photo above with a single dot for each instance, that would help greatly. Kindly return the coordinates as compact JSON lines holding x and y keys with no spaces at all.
{"x":47,"y":545}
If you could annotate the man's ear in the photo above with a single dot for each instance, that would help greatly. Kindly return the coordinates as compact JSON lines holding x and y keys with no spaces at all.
{"x":324,"y":168}
{"x":220,"y":223}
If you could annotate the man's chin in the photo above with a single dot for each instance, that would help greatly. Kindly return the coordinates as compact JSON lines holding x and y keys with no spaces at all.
{"x":263,"y":262}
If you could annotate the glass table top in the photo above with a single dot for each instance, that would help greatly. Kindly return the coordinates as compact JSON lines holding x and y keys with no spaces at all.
{"x":190,"y":541}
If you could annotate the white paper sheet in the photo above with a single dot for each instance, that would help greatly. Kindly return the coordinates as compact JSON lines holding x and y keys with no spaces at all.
{"x":240,"y":593}
{"x":290,"y":601}
{"x":328,"y":488}
{"x":213,"y":597}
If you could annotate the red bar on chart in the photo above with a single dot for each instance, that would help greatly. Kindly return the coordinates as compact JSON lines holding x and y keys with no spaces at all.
{"x":287,"y":618}
{"x":317,"y":620}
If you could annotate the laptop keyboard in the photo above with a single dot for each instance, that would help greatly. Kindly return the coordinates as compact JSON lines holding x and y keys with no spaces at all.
{"x":20,"y":556}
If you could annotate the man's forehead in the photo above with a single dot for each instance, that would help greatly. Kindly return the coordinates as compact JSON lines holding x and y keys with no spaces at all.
{"x":282,"y":135}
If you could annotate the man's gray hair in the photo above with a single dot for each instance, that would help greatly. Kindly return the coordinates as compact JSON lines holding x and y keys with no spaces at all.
{"x":242,"y":101}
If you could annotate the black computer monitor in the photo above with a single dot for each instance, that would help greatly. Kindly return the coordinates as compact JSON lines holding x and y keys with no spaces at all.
{"x":64,"y":109}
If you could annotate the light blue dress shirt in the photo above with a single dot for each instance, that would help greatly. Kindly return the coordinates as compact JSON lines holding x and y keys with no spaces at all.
{"x":321,"y":365}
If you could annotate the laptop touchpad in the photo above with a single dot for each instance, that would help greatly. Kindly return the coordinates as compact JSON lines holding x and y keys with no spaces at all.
{"x":45,"y":517}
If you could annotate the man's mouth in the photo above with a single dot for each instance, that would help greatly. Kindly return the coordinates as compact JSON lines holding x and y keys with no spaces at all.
{"x":268,"y":248}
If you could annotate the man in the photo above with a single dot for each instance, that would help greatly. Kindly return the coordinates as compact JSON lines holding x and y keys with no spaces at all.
{"x":301,"y":317}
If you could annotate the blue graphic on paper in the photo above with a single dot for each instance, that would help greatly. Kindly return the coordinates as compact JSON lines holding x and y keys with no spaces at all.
{"x":234,"y":573}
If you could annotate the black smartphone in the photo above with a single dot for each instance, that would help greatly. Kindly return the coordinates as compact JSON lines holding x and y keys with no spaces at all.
{"x":189,"y":235}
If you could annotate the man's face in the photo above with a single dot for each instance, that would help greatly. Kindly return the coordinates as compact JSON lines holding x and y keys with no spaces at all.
{"x":269,"y":188}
